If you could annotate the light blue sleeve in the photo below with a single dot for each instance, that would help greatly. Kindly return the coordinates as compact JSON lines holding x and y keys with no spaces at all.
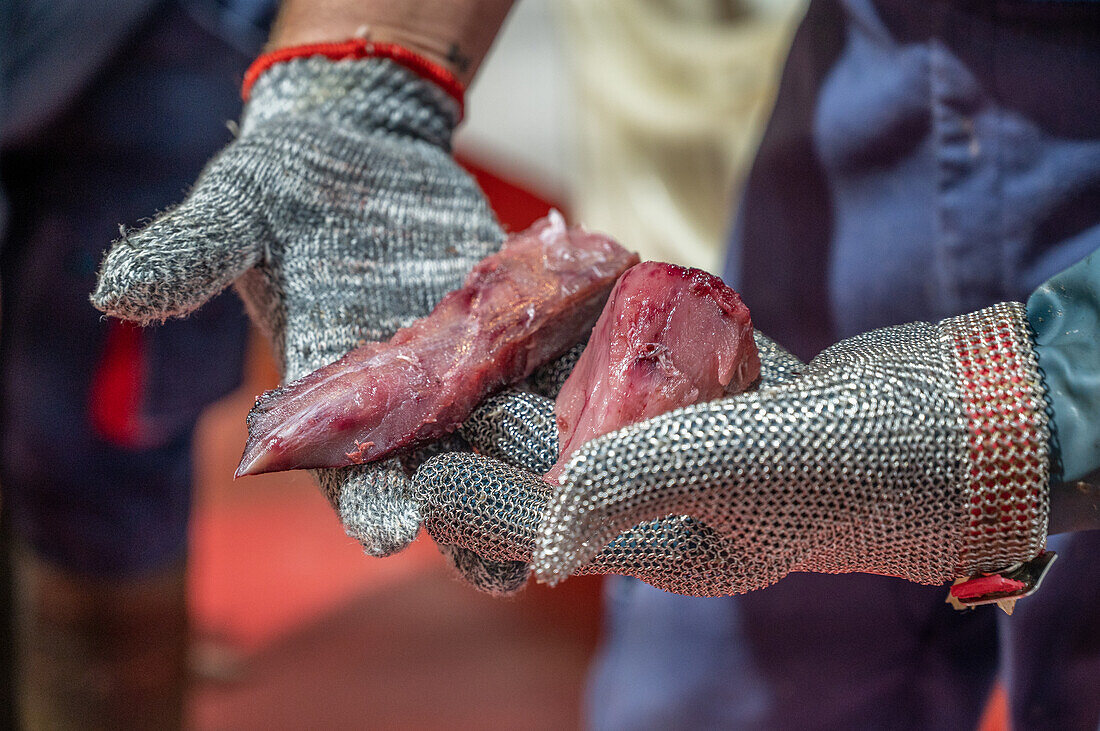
{"x":1065,"y":315}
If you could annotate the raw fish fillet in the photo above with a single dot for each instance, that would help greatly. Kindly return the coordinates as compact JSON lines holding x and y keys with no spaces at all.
{"x":519,"y":308}
{"x":668,"y":337}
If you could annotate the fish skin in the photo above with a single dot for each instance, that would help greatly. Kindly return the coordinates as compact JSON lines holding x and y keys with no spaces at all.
{"x":668,"y":337}
{"x":518,"y":309}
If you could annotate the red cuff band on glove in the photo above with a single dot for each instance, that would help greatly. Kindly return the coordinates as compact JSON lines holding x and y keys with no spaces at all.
{"x":359,"y":48}
{"x":1008,"y":461}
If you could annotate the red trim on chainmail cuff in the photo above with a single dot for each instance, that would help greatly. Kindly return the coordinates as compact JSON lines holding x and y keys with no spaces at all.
{"x":1007,"y":457}
{"x":986,"y":585}
{"x":359,"y":48}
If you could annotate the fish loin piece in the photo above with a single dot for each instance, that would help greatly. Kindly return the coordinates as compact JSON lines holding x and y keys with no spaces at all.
{"x":518,"y":308}
{"x":668,"y":337}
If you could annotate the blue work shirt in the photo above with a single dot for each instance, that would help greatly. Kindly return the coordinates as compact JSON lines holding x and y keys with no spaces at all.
{"x":923,"y":160}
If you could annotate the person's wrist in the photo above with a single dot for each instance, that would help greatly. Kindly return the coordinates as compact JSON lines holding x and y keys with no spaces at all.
{"x":435,"y":51}
{"x":455,"y":34}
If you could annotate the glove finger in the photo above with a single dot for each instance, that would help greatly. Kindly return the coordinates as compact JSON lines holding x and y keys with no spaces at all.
{"x":623,"y":478}
{"x":374,"y":505}
{"x":519,"y":428}
{"x":185,"y":256}
{"x":516,"y":427}
{"x":548,"y":379}
{"x":499,"y":578}
{"x":481,"y":504}
{"x":683,"y":555}
{"x":475,"y":522}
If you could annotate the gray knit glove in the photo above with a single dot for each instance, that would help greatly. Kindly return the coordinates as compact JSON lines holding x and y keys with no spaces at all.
{"x":919,"y":451}
{"x":340,"y":216}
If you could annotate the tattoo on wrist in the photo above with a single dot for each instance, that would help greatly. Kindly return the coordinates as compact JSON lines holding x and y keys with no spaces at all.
{"x":460,"y":60}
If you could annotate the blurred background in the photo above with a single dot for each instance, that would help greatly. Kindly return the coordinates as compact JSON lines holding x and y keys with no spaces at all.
{"x":635,"y":117}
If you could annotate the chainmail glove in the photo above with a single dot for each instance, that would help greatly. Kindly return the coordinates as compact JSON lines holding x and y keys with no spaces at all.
{"x":920,"y":451}
{"x":491,"y":504}
{"x":340,"y":216}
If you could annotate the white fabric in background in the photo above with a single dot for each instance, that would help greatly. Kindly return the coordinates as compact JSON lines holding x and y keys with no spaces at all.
{"x":641,"y":115}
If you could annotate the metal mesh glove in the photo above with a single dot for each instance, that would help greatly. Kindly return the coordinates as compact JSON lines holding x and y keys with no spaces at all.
{"x":491,"y":505}
{"x":918,"y":451}
{"x":341,"y":217}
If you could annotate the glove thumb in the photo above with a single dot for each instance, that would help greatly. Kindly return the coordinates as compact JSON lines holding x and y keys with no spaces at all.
{"x":184,"y":257}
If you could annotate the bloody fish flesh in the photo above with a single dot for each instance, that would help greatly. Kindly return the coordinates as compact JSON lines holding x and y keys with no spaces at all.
{"x":519,"y":308}
{"x":668,"y":337}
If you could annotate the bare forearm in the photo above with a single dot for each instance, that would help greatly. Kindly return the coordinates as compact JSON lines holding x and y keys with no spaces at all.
{"x":454,"y":33}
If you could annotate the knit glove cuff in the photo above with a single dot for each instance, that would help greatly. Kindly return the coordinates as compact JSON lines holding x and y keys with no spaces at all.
{"x":372,"y":95}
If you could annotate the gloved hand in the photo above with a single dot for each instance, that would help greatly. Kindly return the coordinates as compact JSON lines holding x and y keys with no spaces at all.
{"x":920,"y":451}
{"x":340,"y":216}
{"x":491,"y":504}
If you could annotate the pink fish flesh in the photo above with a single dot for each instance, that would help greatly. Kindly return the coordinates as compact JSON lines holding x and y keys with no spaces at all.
{"x":668,"y":337}
{"x":519,"y":308}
